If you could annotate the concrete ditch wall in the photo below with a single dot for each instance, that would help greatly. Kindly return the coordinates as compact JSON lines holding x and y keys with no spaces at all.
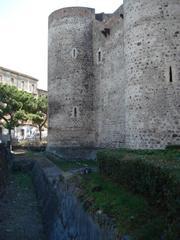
{"x":63,"y":214}
{"x":5,"y":158}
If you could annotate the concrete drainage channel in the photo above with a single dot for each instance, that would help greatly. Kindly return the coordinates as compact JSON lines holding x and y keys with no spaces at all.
{"x":63,"y":215}
{"x":20,"y":217}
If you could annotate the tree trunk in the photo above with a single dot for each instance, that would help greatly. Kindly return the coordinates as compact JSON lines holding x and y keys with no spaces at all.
{"x":40,"y":134}
{"x":10,"y":139}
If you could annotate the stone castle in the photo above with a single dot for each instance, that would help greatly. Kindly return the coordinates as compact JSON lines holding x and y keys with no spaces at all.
{"x":114,"y":79}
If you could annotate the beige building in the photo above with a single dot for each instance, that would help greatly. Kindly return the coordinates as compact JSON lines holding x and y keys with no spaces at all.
{"x":41,"y":92}
{"x":28,"y":84}
{"x":19,"y":80}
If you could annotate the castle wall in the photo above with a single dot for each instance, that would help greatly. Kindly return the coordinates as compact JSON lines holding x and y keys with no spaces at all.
{"x":109,"y":97}
{"x":71,"y":116}
{"x":114,"y":79}
{"x":152,"y":60}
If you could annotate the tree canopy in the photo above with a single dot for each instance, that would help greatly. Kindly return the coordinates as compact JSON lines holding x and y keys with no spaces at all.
{"x":39,"y":115}
{"x":17,"y":106}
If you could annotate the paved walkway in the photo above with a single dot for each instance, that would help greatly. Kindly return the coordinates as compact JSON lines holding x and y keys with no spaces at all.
{"x":19,"y":214}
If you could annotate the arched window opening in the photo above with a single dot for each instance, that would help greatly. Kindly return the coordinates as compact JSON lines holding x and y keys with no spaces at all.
{"x":170,"y":75}
{"x":122,"y":16}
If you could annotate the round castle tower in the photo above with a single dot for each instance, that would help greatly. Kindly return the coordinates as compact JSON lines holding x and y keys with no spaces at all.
{"x":152,"y":60}
{"x":70,"y":81}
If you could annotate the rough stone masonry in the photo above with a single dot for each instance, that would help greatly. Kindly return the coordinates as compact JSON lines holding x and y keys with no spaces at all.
{"x":114,"y":79}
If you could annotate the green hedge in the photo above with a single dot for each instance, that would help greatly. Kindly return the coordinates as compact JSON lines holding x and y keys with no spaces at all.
{"x":155,"y":181}
{"x":171,"y":147}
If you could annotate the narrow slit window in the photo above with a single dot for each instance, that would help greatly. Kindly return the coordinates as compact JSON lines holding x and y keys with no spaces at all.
{"x":75,"y":112}
{"x":170,"y":75}
{"x":74,"y":53}
{"x":99,"y":56}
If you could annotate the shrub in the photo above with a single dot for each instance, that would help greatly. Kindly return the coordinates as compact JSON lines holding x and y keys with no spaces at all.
{"x":34,"y":145}
{"x":155,"y":180}
{"x":173,"y":147}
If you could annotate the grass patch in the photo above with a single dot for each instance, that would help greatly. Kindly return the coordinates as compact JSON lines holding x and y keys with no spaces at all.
{"x":30,"y":154}
{"x":138,"y":189}
{"x":131,"y":212}
{"x":72,"y":165}
{"x":154,"y":173}
{"x":165,"y":157}
{"x":23,"y":181}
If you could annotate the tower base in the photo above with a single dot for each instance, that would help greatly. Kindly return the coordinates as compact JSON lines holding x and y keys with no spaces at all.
{"x":73,"y":153}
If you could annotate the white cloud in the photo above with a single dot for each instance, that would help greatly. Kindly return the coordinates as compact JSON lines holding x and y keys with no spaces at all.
{"x":23,"y":32}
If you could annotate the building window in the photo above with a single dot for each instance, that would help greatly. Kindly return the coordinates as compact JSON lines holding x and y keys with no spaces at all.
{"x":22,"y":133}
{"x":99,"y":56}
{"x":22,"y":85}
{"x":12,"y":81}
{"x":32,"y":88}
{"x":170,"y":75}
{"x":122,"y":16}
{"x":106,"y":32}
{"x":74,"y":53}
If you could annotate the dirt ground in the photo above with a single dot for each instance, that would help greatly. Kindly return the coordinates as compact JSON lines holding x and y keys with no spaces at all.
{"x":20,"y":217}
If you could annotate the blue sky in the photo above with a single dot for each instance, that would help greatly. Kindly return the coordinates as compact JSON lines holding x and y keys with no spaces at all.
{"x":24,"y":30}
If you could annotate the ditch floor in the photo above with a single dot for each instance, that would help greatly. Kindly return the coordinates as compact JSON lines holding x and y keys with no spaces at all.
{"x":20,"y":218}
